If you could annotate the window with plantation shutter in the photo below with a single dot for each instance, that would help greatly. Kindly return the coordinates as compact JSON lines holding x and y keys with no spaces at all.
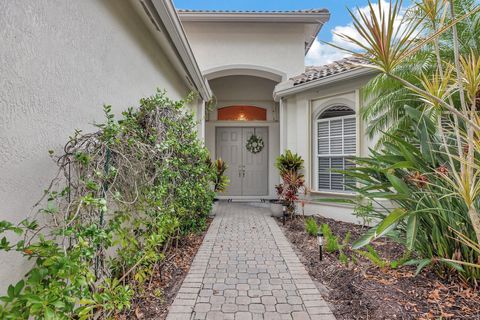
{"x":336,"y":145}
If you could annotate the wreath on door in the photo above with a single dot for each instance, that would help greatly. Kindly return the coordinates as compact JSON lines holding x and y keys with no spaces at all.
{"x":255,"y":144}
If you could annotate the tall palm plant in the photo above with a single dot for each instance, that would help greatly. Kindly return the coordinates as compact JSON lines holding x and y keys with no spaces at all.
{"x":386,"y":97}
{"x":444,"y":95}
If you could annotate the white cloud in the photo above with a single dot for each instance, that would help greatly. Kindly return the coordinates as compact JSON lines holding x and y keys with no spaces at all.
{"x":321,"y":53}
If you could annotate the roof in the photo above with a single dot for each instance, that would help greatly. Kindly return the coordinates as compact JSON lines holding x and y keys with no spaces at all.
{"x":316,"y":77}
{"x":313,"y":19}
{"x":318,"y":72}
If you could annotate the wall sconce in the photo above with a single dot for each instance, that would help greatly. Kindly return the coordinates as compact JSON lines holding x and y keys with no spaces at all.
{"x":320,"y":244}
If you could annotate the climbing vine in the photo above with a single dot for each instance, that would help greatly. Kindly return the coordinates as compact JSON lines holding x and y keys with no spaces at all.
{"x":122,"y":195}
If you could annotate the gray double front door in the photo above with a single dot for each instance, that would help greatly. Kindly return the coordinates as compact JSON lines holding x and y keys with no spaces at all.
{"x":247,"y":171}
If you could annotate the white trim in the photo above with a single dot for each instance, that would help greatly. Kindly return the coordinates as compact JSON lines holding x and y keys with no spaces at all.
{"x":334,"y":193}
{"x":283,"y":17}
{"x":245,"y":70}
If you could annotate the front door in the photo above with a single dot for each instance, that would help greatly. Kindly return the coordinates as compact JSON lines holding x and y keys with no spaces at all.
{"x":247,"y":171}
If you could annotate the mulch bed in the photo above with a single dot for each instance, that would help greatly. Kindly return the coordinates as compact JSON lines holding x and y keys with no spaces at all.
{"x":160,"y":292}
{"x":365,"y":291}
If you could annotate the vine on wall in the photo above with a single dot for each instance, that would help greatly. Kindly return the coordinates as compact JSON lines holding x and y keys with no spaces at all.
{"x":122,"y":195}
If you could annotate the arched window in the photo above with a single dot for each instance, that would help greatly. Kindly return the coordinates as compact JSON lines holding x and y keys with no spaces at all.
{"x":336,"y":145}
{"x":242,"y":113}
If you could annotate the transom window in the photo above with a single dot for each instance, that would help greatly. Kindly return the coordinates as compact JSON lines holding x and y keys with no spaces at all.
{"x":242,"y":113}
{"x":336,"y":145}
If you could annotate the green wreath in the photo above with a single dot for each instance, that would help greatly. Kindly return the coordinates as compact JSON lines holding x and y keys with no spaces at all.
{"x":255,"y":144}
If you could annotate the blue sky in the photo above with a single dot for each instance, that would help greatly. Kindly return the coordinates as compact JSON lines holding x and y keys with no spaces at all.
{"x":320,"y":53}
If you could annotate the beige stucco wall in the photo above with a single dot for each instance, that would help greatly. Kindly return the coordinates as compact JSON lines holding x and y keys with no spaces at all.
{"x":300,"y":111}
{"x":272,"y":45}
{"x":60,"y":61}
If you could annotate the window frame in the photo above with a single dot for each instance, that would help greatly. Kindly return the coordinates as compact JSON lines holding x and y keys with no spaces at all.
{"x":343,"y":155}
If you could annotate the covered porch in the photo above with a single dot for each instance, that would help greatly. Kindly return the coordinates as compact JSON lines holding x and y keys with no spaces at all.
{"x":242,"y":127}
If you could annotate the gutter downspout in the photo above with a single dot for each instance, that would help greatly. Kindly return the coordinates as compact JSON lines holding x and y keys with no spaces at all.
{"x":282,"y":125}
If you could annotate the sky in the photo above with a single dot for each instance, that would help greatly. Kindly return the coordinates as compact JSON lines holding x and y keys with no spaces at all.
{"x":320,"y":53}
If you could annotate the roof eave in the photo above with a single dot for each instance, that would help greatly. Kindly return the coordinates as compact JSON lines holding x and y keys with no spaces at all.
{"x":163,"y":15}
{"x":287,"y":17}
{"x":292,"y":89}
{"x":315,"y":34}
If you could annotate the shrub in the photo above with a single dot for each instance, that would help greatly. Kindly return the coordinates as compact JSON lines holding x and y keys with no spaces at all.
{"x":311,"y":226}
{"x":289,"y":166}
{"x":427,"y":97}
{"x":289,"y":162}
{"x":221,"y":180}
{"x":331,"y":243}
{"x":372,"y":255}
{"x":129,"y":189}
{"x":411,"y":172}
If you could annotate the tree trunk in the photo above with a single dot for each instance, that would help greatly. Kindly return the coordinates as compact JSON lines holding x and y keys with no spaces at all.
{"x":475,"y":219}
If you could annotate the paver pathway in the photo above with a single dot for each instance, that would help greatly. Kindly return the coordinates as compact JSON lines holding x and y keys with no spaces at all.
{"x":246,"y":269}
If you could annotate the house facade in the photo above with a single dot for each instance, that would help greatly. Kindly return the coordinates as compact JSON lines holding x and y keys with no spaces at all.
{"x":254,"y":63}
{"x":61,"y":61}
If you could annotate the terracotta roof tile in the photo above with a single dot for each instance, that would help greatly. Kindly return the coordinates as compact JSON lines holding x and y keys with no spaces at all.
{"x":317,"y":72}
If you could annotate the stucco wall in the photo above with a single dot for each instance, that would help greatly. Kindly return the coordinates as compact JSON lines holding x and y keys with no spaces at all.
{"x":60,"y":61}
{"x":273,"y":45}
{"x":300,"y":111}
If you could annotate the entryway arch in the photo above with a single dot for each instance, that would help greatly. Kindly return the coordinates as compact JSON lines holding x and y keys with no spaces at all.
{"x":245,"y":107}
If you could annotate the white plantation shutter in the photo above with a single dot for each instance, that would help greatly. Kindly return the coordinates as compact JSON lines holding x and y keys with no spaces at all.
{"x":336,"y":146}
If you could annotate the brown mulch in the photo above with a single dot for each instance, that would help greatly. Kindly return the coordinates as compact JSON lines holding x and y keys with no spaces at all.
{"x":154,"y":301}
{"x":364,"y":291}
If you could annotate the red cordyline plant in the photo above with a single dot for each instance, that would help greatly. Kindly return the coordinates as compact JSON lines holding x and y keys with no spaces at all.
{"x":293,"y":182}
{"x":288,"y":191}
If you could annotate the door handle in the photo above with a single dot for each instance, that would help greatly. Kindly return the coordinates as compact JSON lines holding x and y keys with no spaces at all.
{"x":241,"y":171}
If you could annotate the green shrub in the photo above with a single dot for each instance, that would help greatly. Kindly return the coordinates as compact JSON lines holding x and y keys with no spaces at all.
{"x":289,"y":161}
{"x":430,"y":217}
{"x":426,"y":99}
{"x":130,"y":188}
{"x":331,"y":243}
{"x":372,"y":255}
{"x":311,"y":226}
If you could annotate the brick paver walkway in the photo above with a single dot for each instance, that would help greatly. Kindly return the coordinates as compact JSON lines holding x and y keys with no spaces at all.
{"x":246,"y":269}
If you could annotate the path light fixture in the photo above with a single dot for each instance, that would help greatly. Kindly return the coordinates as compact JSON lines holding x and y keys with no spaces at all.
{"x":320,"y":244}
{"x":284,"y":207}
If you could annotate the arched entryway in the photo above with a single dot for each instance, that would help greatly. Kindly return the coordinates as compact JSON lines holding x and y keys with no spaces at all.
{"x":244,"y":111}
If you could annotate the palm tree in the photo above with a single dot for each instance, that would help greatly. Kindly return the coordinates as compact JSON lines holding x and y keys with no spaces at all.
{"x":386,"y":97}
